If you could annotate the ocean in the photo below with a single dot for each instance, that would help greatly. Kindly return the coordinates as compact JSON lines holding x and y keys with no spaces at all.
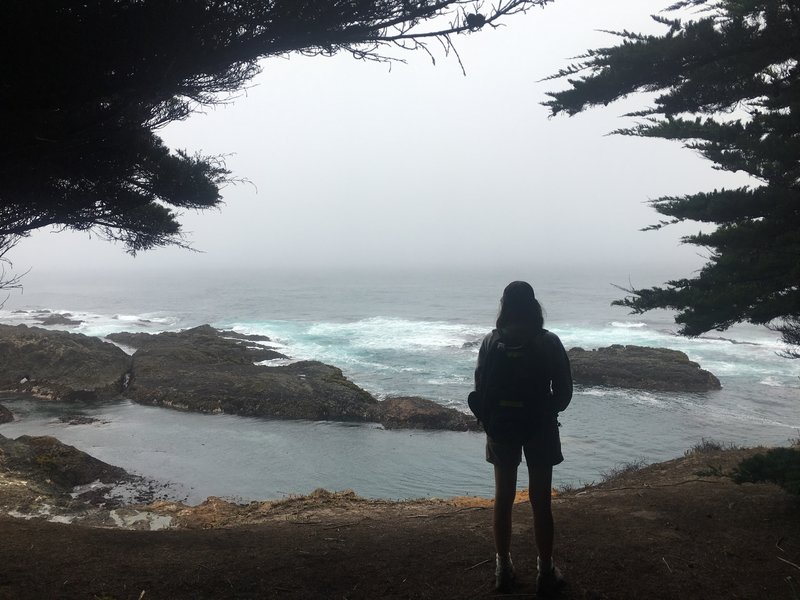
{"x":395,"y":332}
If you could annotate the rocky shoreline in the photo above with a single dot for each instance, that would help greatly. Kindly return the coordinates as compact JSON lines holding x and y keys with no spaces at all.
{"x":682,"y":524}
{"x":206,"y":370}
{"x":678,"y":529}
{"x":42,"y":478}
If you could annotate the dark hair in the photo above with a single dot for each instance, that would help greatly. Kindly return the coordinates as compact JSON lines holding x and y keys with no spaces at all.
{"x":519,"y":307}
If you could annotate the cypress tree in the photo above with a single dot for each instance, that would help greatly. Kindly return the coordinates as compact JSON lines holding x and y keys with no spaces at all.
{"x":728,"y":86}
{"x":85,"y":87}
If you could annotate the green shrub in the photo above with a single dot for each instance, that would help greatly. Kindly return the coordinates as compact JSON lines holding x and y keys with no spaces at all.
{"x":779,"y":465}
{"x":705,"y":446}
{"x":622,"y":469}
{"x":711,"y":471}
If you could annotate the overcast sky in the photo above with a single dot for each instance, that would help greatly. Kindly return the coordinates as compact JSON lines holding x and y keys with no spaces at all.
{"x":353,"y":164}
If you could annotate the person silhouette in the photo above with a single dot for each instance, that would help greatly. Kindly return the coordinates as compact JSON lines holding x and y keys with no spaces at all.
{"x":523,"y":376}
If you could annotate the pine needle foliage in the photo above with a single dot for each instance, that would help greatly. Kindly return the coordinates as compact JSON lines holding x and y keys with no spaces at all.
{"x":727,"y":84}
{"x":85,"y":87}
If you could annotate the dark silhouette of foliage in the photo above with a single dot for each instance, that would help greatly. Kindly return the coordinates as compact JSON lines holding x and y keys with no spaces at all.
{"x":728,"y":86}
{"x":780,"y":466}
{"x":85,"y":86}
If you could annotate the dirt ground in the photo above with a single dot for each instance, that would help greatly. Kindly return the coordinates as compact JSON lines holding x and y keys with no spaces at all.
{"x":674,"y":530}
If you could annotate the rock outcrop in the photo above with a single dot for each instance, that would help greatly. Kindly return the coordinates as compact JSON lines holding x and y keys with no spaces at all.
{"x":211,"y":341}
{"x":638,"y":367}
{"x":206,"y":370}
{"x":5,"y":415}
{"x":200,"y":370}
{"x":420,"y":413}
{"x":57,"y":365}
{"x":59,"y":319}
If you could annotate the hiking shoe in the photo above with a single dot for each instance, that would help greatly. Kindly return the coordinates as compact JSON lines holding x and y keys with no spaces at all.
{"x":549,"y":581}
{"x":504,"y":575}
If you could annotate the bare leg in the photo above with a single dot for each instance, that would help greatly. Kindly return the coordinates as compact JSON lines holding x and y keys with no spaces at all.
{"x":541,"y":481}
{"x":505,"y":489}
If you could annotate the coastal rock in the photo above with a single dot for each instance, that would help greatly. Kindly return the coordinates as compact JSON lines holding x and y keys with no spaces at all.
{"x":253,"y":337}
{"x":58,"y":319}
{"x":45,"y":459}
{"x":57,"y":365}
{"x":420,"y":413}
{"x":200,"y":370}
{"x":5,"y":415}
{"x":639,"y":367}
{"x":212,"y":341}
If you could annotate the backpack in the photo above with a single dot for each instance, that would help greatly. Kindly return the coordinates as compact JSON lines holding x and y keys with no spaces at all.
{"x":515,"y":394}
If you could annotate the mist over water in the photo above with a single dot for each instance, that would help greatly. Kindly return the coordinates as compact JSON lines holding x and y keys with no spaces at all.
{"x":398,"y":333}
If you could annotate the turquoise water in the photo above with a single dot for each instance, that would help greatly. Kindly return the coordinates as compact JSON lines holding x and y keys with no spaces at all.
{"x":409,"y":333}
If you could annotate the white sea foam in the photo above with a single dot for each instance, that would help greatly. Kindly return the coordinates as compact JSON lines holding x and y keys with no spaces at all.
{"x":359,"y":339}
{"x":628,"y":325}
{"x":90,"y":323}
{"x":127,"y":317}
{"x":649,"y":400}
{"x":277,"y":362}
{"x":633,"y":396}
{"x":392,"y":333}
{"x":448,"y":380}
{"x":596,"y":392}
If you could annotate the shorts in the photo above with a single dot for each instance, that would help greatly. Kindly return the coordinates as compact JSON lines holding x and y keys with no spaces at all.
{"x":543,"y":449}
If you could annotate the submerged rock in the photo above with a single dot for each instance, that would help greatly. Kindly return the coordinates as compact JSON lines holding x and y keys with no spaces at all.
{"x":77,"y":420}
{"x":420,"y":413}
{"x":639,"y":367}
{"x":57,"y":365}
{"x":5,"y":415}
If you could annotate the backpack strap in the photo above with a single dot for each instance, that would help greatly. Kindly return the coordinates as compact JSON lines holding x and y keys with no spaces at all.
{"x":491,"y":352}
{"x":477,"y":399}
{"x":491,"y":357}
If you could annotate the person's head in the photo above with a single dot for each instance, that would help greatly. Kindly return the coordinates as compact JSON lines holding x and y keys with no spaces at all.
{"x":519,"y":308}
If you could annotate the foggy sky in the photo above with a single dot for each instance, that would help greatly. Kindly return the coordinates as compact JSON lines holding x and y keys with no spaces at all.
{"x":350,"y":163}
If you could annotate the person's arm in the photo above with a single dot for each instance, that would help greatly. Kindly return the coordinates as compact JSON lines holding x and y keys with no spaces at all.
{"x":562,"y":376}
